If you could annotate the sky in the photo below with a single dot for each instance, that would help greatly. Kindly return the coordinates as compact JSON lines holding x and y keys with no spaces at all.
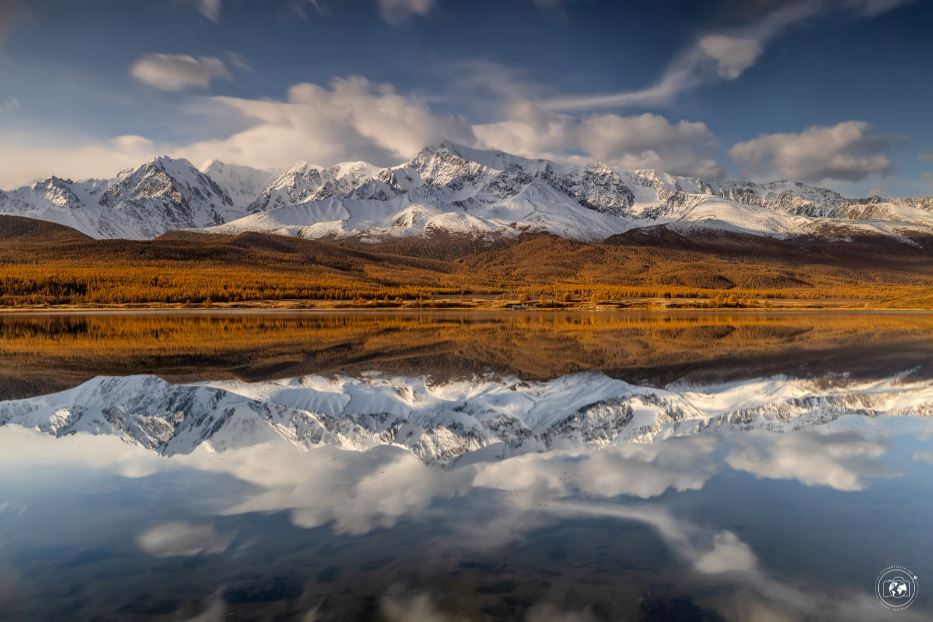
{"x":831,"y":92}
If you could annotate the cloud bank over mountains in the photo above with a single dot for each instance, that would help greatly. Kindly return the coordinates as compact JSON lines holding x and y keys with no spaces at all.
{"x":354,"y":117}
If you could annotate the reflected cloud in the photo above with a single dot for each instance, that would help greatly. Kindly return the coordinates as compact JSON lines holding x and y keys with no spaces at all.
{"x":708,"y":553}
{"x":839,"y":460}
{"x":482,"y":506}
{"x":639,"y":470}
{"x":183,"y":539}
{"x":398,"y":605}
{"x":507,"y":487}
{"x":215,"y":612}
{"x":23,"y":446}
{"x":728,"y":554}
{"x":357,"y":491}
{"x":924,"y":456}
{"x":724,"y":562}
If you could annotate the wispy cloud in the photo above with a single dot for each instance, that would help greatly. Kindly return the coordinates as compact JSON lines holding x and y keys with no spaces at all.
{"x":208,"y":8}
{"x":9,"y":105}
{"x":177,"y":72}
{"x":352,"y":119}
{"x":182,"y":539}
{"x":400,"y":11}
{"x":299,"y":8}
{"x":724,"y":54}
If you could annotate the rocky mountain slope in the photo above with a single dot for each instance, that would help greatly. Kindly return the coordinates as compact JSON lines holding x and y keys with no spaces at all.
{"x":482,"y":418}
{"x":142,"y":203}
{"x":450,"y":188}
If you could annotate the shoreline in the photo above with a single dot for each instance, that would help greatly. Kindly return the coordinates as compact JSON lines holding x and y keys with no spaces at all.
{"x":452,"y":310}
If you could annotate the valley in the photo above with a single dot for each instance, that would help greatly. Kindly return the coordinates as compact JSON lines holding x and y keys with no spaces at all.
{"x":43,"y":265}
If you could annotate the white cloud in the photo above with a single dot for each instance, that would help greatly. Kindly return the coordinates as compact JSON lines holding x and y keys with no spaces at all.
{"x":397,"y":606}
{"x":733,"y":55}
{"x":177,"y":72}
{"x":709,"y":553}
{"x":723,"y":55}
{"x":848,"y":151}
{"x":728,"y":554}
{"x":23,"y":159}
{"x":840,"y":460}
{"x":87,"y":455}
{"x":644,"y":471}
{"x":182,"y":539}
{"x":356,"y":491}
{"x":926,"y":156}
{"x":208,"y":8}
{"x":924,"y":456}
{"x":640,"y":141}
{"x":651,"y":141}
{"x":355,"y":119}
{"x":400,"y":11}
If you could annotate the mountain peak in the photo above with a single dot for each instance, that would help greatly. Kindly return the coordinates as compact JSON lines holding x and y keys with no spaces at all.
{"x":451,"y":187}
{"x":489,"y":158}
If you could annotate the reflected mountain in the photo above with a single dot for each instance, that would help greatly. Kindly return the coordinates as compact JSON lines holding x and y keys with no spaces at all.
{"x":463,"y":467}
{"x":482,"y":418}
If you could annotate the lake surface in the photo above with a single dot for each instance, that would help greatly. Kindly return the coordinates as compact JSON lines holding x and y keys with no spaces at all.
{"x":472,"y":466}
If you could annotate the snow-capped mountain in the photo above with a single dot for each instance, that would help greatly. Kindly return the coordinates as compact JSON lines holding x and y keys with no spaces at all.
{"x":241,"y":183}
{"x":451,"y":188}
{"x":454,"y":188}
{"x":485,"y":418}
{"x":161,"y":195}
{"x":303,"y":183}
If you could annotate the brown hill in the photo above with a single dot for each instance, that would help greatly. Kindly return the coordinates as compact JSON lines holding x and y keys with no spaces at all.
{"x":28,"y":229}
{"x":43,"y":264}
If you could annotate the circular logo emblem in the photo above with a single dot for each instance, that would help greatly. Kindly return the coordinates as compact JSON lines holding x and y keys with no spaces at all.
{"x":896,"y":587}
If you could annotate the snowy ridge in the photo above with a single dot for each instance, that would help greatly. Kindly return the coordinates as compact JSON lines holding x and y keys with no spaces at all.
{"x":451,"y":188}
{"x":142,"y":203}
{"x":463,"y":190}
{"x":241,"y":183}
{"x":486,"y":417}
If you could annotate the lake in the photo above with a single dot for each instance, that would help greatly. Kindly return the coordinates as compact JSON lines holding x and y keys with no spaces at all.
{"x":466,"y":466}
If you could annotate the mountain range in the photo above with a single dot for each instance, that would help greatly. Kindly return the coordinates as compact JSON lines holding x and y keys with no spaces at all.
{"x":455,"y":189}
{"x":480,"y":418}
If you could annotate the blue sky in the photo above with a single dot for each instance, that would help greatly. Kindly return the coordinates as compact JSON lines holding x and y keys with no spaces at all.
{"x":833,"y":92}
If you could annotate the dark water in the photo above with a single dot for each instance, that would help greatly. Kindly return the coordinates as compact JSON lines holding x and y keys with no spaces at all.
{"x":464,"y":467}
